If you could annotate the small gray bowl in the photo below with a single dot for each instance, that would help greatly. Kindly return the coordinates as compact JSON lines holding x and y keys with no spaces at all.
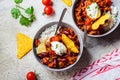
{"x":37,"y":36}
{"x":116,"y":3}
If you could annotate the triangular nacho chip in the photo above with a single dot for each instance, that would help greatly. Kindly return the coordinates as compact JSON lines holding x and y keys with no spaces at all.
{"x":68,"y":2}
{"x":24,"y":45}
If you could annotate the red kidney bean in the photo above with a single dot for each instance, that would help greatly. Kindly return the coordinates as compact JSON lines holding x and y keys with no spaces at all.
{"x":63,"y":59}
{"x":66,"y":32}
{"x":68,"y":52}
{"x":71,"y":32}
{"x":40,"y":55}
{"x":77,"y":42}
{"x":43,"y":54}
{"x":55,"y":62}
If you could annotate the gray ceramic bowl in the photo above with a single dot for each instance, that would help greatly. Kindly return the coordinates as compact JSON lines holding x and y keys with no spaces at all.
{"x":37,"y":36}
{"x":115,"y":3}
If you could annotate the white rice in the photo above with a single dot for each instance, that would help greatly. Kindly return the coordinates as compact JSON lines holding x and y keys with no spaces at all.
{"x":114,"y":12}
{"x":112,"y":20}
{"x":49,"y":32}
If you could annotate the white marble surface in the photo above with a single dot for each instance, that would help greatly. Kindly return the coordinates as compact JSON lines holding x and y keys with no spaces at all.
{"x":13,"y":69}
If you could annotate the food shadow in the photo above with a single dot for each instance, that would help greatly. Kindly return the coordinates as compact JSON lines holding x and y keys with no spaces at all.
{"x":107,"y":40}
{"x":114,"y":36}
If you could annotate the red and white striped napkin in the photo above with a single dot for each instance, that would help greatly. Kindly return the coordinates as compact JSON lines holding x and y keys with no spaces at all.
{"x":105,"y":68}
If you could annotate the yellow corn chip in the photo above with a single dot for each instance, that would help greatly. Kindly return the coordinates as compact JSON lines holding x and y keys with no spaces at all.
{"x":68,"y":2}
{"x":100,"y":21}
{"x":24,"y":45}
{"x":69,"y":44}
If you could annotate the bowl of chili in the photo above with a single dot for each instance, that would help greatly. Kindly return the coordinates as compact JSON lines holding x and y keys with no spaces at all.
{"x":60,"y":51}
{"x":101,"y":17}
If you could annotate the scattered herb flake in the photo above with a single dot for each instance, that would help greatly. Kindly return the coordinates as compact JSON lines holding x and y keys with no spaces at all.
{"x":56,"y":46}
{"x":88,"y":7}
{"x":96,"y":7}
{"x":114,"y":16}
{"x":91,"y":15}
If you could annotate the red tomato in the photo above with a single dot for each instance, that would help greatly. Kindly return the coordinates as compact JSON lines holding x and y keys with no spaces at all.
{"x":51,"y":52}
{"x":48,"y":10}
{"x":55,"y":38}
{"x":108,"y":2}
{"x":88,"y":27}
{"x":31,"y":76}
{"x":87,"y":21}
{"x":37,"y":42}
{"x":46,"y":2}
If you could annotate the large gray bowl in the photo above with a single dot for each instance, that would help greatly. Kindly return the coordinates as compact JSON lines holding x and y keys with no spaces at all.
{"x":115,"y":3}
{"x":37,"y":36}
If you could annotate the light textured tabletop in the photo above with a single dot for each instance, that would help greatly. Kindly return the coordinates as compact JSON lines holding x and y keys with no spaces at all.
{"x":12,"y":68}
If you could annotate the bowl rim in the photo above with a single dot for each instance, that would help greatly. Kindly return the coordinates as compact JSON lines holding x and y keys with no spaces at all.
{"x":48,"y":25}
{"x":116,"y":24}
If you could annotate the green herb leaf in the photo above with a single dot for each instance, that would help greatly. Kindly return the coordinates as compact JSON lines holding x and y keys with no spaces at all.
{"x":96,"y":7}
{"x":24,"y":21}
{"x":88,"y":7}
{"x":91,"y":15}
{"x":18,"y":1}
{"x":32,"y":18}
{"x":15,"y":13}
{"x":56,"y":46}
{"x":29,"y":10}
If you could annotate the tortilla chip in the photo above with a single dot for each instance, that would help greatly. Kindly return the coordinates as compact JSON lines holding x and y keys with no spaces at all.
{"x":100,"y":21}
{"x":24,"y":45}
{"x":69,"y":44}
{"x":68,"y":2}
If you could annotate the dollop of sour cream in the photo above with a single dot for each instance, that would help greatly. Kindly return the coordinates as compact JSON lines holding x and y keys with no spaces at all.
{"x":58,"y":47}
{"x":93,"y":10}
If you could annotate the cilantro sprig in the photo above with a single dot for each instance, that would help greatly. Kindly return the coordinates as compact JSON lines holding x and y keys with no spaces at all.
{"x":17,"y":14}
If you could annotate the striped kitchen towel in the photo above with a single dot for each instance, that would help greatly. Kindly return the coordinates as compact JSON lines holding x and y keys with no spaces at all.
{"x":104,"y":68}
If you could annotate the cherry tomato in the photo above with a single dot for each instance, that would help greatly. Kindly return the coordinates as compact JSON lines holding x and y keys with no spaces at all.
{"x":46,"y":2}
{"x":48,"y":10}
{"x":31,"y":76}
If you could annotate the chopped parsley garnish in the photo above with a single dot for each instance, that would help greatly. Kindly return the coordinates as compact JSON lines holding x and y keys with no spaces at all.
{"x":96,"y":7}
{"x":88,"y":7}
{"x":91,"y":15}
{"x":56,"y":46}
{"x":114,"y":16}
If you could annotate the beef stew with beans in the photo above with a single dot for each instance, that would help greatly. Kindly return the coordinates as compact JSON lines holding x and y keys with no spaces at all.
{"x":60,"y":50}
{"x":98,"y":15}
